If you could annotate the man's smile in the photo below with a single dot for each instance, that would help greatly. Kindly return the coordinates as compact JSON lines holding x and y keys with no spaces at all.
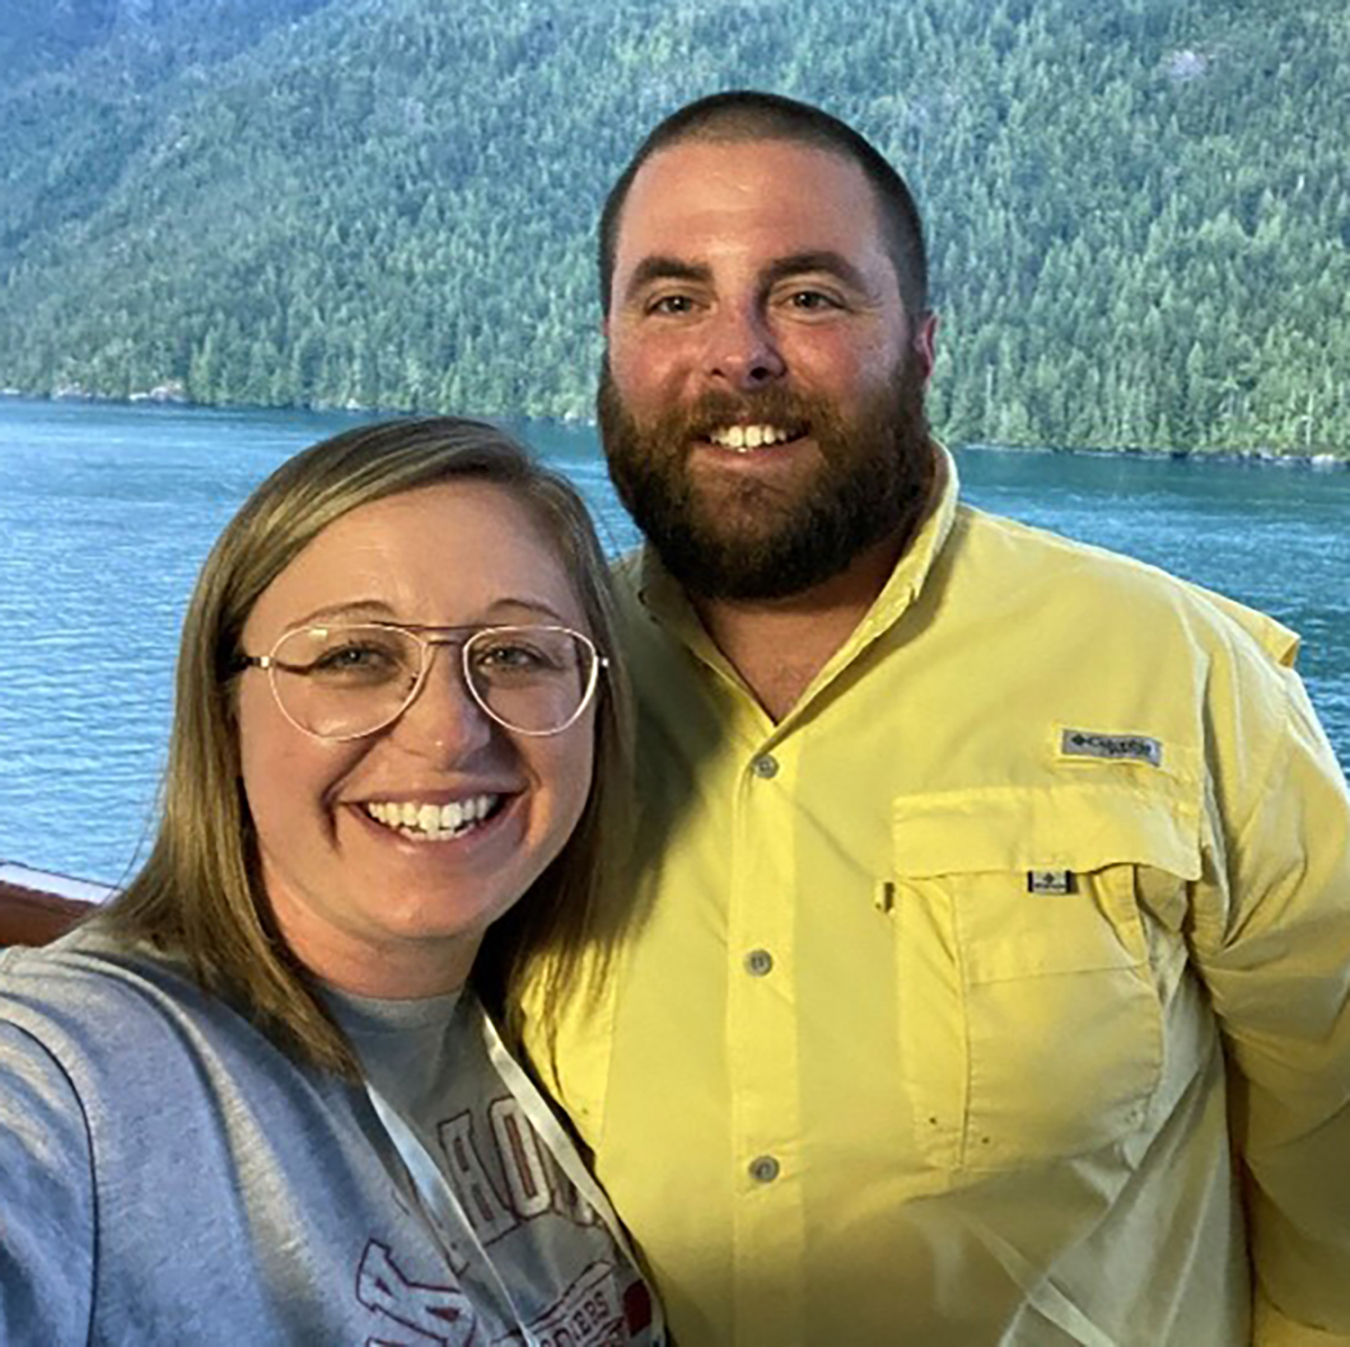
{"x":746,"y":437}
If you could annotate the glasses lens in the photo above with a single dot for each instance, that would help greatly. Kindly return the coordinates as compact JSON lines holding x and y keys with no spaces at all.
{"x":343,"y":681}
{"x":533,"y":679}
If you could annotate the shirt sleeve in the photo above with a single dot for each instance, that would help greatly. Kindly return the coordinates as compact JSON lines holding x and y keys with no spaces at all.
{"x":46,"y":1199}
{"x":1276,"y":958}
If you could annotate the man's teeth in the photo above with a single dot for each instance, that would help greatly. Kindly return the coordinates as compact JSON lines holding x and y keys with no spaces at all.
{"x":749,"y":437}
{"x":432,"y":820}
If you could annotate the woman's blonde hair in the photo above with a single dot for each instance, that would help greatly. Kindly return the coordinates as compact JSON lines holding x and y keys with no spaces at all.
{"x":199,"y":894}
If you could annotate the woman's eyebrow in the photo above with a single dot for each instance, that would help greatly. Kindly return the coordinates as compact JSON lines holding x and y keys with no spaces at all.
{"x":376,"y":608}
{"x":379,"y":610}
{"x":531,"y":605}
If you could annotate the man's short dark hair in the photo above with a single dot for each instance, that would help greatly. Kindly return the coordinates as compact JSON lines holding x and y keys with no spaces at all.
{"x":743,"y":114}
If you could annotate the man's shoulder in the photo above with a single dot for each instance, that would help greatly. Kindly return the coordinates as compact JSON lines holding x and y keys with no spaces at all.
{"x":1110,"y":585}
{"x":637,"y":608}
{"x":626,"y":572}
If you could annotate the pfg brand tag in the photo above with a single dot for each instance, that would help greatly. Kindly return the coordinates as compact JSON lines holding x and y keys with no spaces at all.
{"x":1050,"y":881}
{"x":1114,"y":747}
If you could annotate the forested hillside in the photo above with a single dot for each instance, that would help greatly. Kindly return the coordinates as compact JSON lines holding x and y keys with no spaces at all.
{"x":1139,"y":210}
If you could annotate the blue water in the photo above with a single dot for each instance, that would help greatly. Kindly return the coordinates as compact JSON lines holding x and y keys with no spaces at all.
{"x":106,"y":513}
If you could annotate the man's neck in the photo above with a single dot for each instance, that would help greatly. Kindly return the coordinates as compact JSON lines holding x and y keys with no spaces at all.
{"x":778,"y":646}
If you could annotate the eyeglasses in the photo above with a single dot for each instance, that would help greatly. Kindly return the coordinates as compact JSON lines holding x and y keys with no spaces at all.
{"x":351,"y":679}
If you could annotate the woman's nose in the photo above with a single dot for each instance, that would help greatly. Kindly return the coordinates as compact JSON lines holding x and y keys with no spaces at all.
{"x":443,"y":717}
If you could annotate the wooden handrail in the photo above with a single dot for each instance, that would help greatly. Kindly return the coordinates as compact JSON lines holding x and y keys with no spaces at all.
{"x":31,"y":917}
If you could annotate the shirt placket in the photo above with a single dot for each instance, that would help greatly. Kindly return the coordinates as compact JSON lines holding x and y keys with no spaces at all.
{"x":762,"y":1052}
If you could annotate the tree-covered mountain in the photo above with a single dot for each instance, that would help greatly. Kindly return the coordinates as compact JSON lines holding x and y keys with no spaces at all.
{"x":1139,"y":210}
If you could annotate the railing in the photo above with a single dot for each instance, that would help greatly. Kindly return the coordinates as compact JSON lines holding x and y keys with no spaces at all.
{"x":37,"y":906}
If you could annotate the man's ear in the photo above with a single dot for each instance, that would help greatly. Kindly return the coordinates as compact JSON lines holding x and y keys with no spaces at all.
{"x":924,"y":343}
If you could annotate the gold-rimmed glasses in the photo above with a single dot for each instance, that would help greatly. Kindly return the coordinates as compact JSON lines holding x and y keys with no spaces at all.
{"x":340,"y":681}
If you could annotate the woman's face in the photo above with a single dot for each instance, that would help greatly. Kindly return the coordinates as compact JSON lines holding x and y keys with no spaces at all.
{"x":363,"y":904}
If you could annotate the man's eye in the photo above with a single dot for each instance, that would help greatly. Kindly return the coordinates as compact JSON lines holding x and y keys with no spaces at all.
{"x":671,"y":304}
{"x":811,"y":300}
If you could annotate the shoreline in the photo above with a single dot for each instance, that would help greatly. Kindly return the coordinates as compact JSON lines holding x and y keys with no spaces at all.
{"x":1321,"y":461}
{"x":1257,"y":458}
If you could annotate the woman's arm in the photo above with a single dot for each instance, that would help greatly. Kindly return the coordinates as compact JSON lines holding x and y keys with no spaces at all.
{"x":46,"y":1199}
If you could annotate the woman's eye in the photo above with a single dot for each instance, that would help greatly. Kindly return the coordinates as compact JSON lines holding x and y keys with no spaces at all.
{"x":526,"y":661}
{"x":345,"y":659}
{"x":512,"y":658}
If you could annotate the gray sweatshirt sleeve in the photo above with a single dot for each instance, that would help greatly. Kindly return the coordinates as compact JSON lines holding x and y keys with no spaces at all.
{"x":46,"y":1199}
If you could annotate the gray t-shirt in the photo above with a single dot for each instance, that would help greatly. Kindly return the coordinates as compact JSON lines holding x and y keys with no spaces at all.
{"x":168,"y":1175}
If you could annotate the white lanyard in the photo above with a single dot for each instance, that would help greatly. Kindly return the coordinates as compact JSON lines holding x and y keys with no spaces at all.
{"x":444,"y":1210}
{"x":439,"y":1203}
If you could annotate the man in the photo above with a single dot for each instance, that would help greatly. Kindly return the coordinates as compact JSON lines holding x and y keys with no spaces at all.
{"x":988,"y":953}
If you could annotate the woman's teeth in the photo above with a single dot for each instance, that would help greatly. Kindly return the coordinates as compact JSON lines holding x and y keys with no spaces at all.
{"x":749,"y":437}
{"x":433,"y":822}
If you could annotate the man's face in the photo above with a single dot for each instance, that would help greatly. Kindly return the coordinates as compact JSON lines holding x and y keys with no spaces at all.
{"x":762,"y":398}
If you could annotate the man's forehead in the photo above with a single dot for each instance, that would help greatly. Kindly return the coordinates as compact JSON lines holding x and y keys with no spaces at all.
{"x":702,"y":189}
{"x":708,"y":162}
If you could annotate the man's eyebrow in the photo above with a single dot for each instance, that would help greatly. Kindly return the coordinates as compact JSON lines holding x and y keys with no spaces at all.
{"x":824,"y":260}
{"x":661,"y":268}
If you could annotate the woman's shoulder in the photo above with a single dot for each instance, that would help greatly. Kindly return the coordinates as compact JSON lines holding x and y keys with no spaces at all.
{"x":110,"y":1014}
{"x":86,"y":972}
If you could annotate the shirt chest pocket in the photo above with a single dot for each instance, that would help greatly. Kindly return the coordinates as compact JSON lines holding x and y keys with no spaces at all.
{"x":1030,"y":1021}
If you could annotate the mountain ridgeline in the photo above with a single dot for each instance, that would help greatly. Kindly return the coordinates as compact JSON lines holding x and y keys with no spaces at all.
{"x":1138,"y":210}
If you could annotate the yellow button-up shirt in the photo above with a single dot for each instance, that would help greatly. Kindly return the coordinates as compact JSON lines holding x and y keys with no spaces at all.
{"x":948,"y":1000}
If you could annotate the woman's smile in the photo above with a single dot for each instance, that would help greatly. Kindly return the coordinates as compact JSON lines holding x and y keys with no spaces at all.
{"x":431,"y":822}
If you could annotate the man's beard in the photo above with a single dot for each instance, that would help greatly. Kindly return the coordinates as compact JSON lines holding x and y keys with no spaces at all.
{"x":755,"y":542}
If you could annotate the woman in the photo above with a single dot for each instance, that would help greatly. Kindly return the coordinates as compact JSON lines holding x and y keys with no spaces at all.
{"x":256,"y":1100}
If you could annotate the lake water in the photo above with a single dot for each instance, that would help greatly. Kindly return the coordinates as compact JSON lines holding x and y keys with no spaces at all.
{"x":106,"y":513}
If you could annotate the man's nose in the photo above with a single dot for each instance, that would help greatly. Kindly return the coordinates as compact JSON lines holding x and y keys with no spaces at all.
{"x":743,"y":350}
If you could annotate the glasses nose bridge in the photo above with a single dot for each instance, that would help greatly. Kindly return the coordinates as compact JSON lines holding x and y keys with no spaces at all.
{"x":427,"y":644}
{"x":468,"y":707}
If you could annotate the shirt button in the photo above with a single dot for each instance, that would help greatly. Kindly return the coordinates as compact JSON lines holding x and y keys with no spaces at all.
{"x":766,"y":766}
{"x":758,"y":962}
{"x":764,"y":1169}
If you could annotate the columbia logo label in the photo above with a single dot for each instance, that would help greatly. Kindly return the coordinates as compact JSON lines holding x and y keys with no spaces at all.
{"x":1050,"y":881}
{"x":1113,"y":747}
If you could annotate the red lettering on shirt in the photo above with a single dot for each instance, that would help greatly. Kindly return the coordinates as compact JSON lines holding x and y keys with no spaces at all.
{"x":523,"y":1164}
{"x":437,"y":1314}
{"x":488,"y":1214}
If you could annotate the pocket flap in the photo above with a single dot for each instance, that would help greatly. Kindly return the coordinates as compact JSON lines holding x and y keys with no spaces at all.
{"x":1066,"y":826}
